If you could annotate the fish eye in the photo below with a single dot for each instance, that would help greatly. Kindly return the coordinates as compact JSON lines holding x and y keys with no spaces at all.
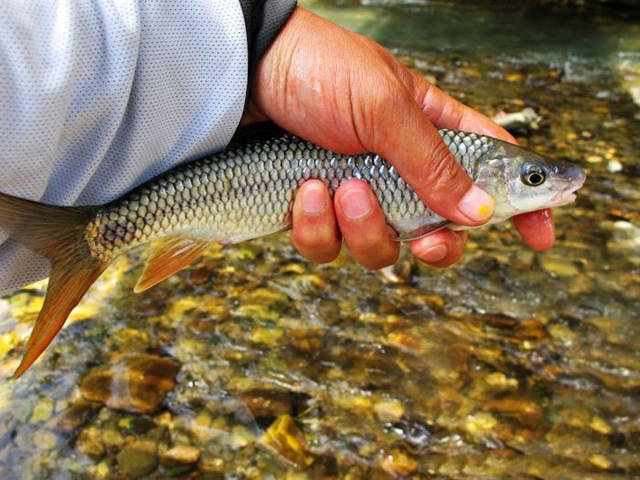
{"x":532,"y":175}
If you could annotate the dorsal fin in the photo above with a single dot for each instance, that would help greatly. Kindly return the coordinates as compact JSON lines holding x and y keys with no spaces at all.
{"x":169,"y":256}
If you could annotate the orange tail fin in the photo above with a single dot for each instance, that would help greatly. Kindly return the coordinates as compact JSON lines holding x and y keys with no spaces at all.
{"x":57,"y":233}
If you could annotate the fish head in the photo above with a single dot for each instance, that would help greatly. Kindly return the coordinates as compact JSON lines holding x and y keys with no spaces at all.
{"x":523,"y":181}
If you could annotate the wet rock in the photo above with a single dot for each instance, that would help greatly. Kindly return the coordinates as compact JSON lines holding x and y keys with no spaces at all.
{"x":7,"y":343}
{"x":205,"y":428}
{"x":625,"y":241}
{"x":587,"y":135}
{"x":100,"y":471}
{"x":531,"y":329}
{"x":180,"y":455}
{"x":525,"y":119}
{"x":211,"y":463}
{"x":137,"y":459}
{"x":398,"y":463}
{"x":389,"y":410}
{"x":130,"y":340}
{"x":42,"y":411}
{"x":89,"y":443}
{"x":267,"y":336}
{"x":600,"y":461}
{"x":240,"y":437}
{"x":614,"y":166}
{"x":45,"y":440}
{"x":267,"y":403}
{"x":635,"y":94}
{"x":480,"y":424}
{"x":599,"y":425}
{"x":562,"y":333}
{"x":112,"y":439}
{"x":134,"y":383}
{"x":558,"y":265}
{"x":524,"y":410}
{"x":75,"y":415}
{"x":500,"y":382}
{"x":284,"y":439}
{"x":198,"y":276}
{"x":514,"y":77}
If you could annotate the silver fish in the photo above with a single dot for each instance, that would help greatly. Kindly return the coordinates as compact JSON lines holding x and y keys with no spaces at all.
{"x":247,"y":192}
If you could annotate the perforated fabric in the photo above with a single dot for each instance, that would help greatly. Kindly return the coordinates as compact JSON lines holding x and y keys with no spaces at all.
{"x":97,"y":97}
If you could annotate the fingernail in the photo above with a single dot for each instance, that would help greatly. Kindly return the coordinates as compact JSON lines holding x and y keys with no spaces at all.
{"x":314,"y":200}
{"x":355,"y":204}
{"x":476,"y":205}
{"x":435,"y":253}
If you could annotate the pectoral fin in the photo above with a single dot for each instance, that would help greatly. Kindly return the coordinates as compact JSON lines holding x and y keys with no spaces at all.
{"x":168,"y":257}
{"x":423,"y":231}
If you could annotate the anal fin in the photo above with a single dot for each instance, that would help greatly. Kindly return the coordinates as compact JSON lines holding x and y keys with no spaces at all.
{"x":168,"y":257}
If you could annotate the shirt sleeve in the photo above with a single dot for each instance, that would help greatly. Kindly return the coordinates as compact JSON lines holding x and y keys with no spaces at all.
{"x":97,"y":97}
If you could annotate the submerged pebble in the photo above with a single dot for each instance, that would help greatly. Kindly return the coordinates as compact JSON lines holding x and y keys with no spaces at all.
{"x":135,"y":383}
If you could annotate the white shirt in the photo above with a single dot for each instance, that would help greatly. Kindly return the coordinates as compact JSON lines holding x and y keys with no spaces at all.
{"x":97,"y":97}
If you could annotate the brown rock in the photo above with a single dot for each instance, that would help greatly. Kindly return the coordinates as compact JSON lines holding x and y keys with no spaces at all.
{"x":284,"y":439}
{"x":398,"y":464}
{"x":180,"y":455}
{"x":267,"y":403}
{"x":134,"y":383}
{"x":136,"y":460}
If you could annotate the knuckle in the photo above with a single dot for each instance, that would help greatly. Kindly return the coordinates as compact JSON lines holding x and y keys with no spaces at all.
{"x":442,"y":173}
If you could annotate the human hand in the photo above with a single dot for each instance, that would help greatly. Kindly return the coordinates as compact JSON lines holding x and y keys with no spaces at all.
{"x":346,"y":93}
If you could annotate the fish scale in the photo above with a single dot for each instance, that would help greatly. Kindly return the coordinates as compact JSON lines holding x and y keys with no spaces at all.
{"x":247,"y":192}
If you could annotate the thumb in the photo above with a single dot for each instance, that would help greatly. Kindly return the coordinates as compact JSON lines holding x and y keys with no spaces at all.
{"x":402,"y":134}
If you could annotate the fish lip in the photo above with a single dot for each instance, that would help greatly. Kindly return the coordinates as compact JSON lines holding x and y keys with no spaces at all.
{"x":575,"y":178}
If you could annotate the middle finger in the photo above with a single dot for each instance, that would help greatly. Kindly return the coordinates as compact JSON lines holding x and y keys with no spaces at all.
{"x":365,"y":231}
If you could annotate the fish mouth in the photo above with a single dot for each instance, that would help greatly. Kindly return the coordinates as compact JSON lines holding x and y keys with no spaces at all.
{"x":575,"y":178}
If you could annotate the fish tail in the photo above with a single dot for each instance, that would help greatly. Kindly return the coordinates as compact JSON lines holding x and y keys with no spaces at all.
{"x":57,"y":233}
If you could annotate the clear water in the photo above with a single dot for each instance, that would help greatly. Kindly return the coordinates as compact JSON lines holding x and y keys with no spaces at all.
{"x":509,"y":364}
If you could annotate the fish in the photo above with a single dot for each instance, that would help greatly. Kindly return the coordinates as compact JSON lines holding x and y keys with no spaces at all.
{"x":244,"y":192}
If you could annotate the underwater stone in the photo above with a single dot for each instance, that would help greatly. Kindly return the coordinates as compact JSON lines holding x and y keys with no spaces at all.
{"x":42,"y":411}
{"x":398,"y":464}
{"x":284,"y":439}
{"x":45,"y":440}
{"x":558,"y":265}
{"x":614,"y":166}
{"x":389,"y":410}
{"x":625,"y":241}
{"x":75,"y":415}
{"x":180,"y":455}
{"x":89,"y":444}
{"x":267,"y":403}
{"x":136,"y":459}
{"x":134,"y":383}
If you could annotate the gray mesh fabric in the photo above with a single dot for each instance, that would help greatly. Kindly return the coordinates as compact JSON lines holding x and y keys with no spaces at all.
{"x":97,"y":97}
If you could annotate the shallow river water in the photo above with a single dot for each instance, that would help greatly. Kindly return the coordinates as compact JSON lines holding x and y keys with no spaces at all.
{"x":257,"y":364}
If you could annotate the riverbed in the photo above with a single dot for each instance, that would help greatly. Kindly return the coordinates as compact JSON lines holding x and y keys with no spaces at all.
{"x":255,"y":363}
